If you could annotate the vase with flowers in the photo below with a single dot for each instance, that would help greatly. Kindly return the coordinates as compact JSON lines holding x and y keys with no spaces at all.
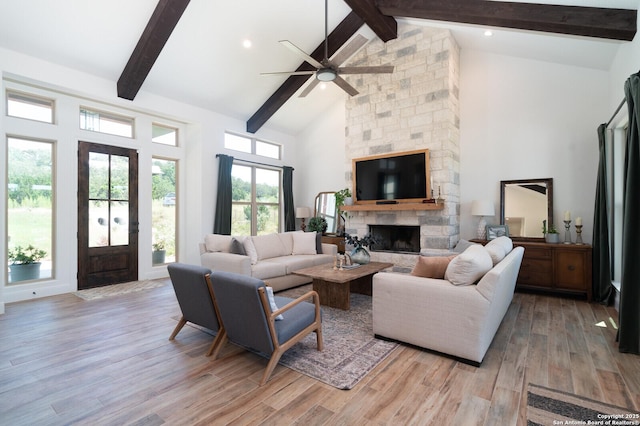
{"x":359,"y":254}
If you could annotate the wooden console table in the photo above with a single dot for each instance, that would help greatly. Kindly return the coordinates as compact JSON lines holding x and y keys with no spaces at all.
{"x":555,"y":268}
{"x":335,"y":240}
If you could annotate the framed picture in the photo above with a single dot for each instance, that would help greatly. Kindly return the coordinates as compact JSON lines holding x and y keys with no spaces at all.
{"x":495,"y":231}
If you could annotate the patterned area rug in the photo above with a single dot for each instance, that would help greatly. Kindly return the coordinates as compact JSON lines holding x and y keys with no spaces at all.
{"x":350,"y":349}
{"x":551,"y":407}
{"x":118,"y":289}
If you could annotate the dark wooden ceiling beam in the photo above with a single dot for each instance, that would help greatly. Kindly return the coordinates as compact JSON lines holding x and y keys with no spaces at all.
{"x":385,"y":27}
{"x":616,"y":24}
{"x":337,"y":38}
{"x":164,"y":19}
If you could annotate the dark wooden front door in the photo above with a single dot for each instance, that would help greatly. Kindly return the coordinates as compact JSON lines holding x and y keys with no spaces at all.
{"x":107,"y":215}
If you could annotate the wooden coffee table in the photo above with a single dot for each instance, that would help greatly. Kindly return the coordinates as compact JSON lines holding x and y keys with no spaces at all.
{"x":334,"y":287}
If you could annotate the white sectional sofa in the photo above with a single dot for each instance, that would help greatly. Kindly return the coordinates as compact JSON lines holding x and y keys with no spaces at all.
{"x":456,"y":315}
{"x":271,"y":257}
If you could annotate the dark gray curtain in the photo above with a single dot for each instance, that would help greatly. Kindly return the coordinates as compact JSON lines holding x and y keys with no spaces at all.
{"x":629,"y":331}
{"x":287,"y":188}
{"x":603,"y":290}
{"x":222,"y":219}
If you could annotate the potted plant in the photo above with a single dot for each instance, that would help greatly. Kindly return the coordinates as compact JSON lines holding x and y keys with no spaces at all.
{"x":159,"y":252}
{"x":359,"y":254}
{"x":343,"y":198}
{"x":551,"y":235}
{"x":24,"y":263}
{"x":317,"y":224}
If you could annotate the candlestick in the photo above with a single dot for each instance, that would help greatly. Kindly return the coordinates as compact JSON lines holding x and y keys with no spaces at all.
{"x":335,"y":262}
{"x":578,"y":221}
{"x":578,"y":233}
{"x":567,"y":231}
{"x":567,"y":216}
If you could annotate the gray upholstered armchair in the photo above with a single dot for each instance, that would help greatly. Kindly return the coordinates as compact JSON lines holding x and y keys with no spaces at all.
{"x":249,"y":321}
{"x":195,"y":297}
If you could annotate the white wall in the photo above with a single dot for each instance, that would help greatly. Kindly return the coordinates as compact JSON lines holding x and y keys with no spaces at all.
{"x":524,"y":119}
{"x":321,"y":157}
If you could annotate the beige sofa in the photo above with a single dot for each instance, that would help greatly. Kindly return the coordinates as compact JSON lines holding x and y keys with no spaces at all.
{"x":271,"y":257}
{"x":459,"y":320}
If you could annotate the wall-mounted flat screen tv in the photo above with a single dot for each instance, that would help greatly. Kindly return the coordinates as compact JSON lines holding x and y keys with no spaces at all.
{"x":399,"y":176}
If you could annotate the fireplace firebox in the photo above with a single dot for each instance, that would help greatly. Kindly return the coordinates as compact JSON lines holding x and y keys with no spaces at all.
{"x":396,"y":238}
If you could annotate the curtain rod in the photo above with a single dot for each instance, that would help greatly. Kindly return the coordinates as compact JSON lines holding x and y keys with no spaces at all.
{"x":616,"y":111}
{"x":260,"y":164}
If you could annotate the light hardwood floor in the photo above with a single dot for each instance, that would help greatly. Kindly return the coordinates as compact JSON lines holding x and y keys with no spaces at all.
{"x":64,"y":360}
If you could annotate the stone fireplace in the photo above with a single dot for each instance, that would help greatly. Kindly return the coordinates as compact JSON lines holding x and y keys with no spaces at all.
{"x":396,"y":238}
{"x":416,"y":107}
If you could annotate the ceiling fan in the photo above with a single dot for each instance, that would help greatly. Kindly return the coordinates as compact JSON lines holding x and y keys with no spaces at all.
{"x":329,"y":70}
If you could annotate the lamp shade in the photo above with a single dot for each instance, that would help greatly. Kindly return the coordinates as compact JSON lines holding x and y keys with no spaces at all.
{"x":482,"y":208}
{"x":303,"y":212}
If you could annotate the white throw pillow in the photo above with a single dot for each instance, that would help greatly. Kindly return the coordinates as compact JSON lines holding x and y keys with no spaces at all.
{"x":504,"y":242}
{"x":287,"y":240}
{"x":269,"y":246}
{"x":272,"y":302}
{"x":304,"y":243}
{"x":250,"y":249}
{"x":469,"y":266}
{"x":217,"y":242}
{"x":496,"y":251}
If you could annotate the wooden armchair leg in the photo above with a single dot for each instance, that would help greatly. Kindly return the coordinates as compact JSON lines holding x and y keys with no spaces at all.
{"x":273,"y":362}
{"x":319,"y":338}
{"x":176,"y":330}
{"x":218,"y":343}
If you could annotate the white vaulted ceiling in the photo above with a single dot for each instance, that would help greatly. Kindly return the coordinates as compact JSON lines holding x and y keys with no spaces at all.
{"x":205,"y":64}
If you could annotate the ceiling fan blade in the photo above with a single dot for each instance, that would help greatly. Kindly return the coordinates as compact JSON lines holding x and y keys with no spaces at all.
{"x":342,"y":83}
{"x":295,"y":49}
{"x":289,"y":73}
{"x":309,"y":88}
{"x":382,"y":69}
{"x":348,"y":51}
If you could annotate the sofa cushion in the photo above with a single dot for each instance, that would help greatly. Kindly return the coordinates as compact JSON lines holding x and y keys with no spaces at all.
{"x":301,"y":261}
{"x":304,"y":243}
{"x":505,"y":242}
{"x":496,"y":251}
{"x":250,"y":249}
{"x":469,"y":266}
{"x":268,"y":246}
{"x":237,"y":247}
{"x":216,"y":242}
{"x":265,"y":270}
{"x":462,"y":246}
{"x":431,"y":267}
{"x":287,"y":240}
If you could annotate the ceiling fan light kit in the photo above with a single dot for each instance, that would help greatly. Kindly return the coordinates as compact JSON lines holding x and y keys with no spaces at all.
{"x":326,"y":74}
{"x":327,"y":70}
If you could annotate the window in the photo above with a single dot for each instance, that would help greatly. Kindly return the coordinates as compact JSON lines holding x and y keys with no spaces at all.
{"x":256,"y":200}
{"x":30,"y":201}
{"x":252,"y":146}
{"x":104,"y":122}
{"x":163,"y":211}
{"x":28,"y":106}
{"x":164,"y":135}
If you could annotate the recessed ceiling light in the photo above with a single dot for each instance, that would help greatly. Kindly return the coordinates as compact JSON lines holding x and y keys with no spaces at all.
{"x":246,"y":44}
{"x":488,"y":33}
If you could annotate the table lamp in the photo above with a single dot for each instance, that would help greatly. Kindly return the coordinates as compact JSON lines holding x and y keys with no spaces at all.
{"x":482,"y":208}
{"x":303,"y":213}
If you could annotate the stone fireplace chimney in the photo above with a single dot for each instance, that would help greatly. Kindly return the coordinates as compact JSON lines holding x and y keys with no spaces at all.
{"x":416,"y":107}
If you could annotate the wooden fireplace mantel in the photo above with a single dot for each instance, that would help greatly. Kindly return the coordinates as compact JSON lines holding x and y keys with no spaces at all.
{"x":392,"y":207}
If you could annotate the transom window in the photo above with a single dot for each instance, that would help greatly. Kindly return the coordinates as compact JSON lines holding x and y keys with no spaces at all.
{"x":164,"y":135}
{"x":252,"y":146}
{"x":106,"y":122}
{"x":31,"y":107}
